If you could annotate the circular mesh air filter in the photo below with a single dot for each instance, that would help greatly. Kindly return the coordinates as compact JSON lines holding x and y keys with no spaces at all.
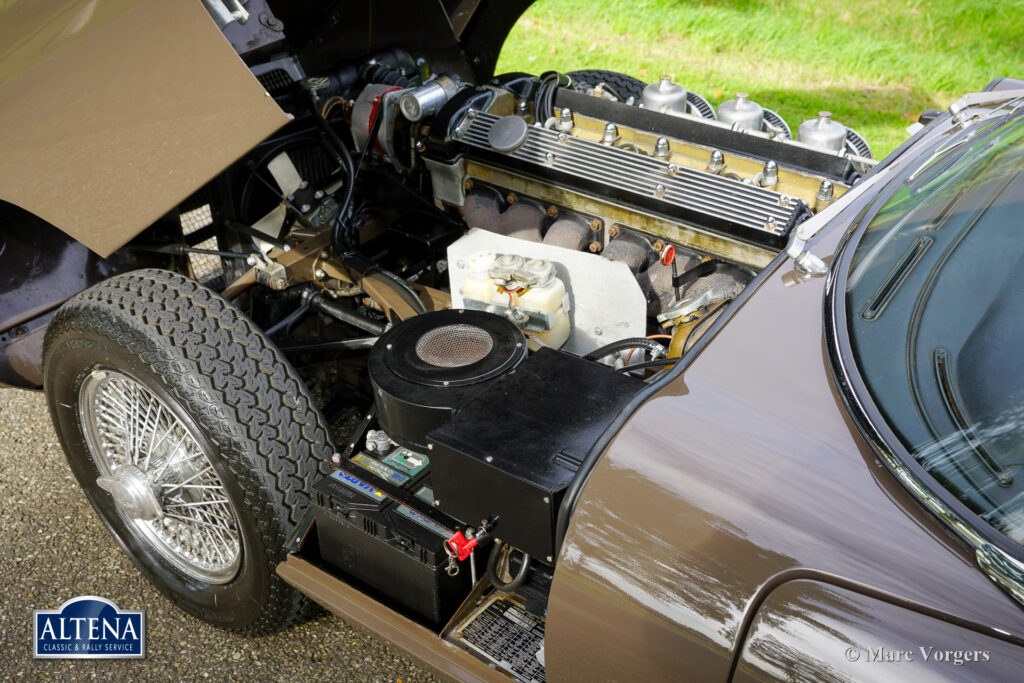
{"x":454,"y":346}
{"x":450,"y":348}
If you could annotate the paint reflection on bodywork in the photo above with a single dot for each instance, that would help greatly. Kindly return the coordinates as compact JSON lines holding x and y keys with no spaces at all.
{"x":752,"y":474}
{"x":812,"y":631}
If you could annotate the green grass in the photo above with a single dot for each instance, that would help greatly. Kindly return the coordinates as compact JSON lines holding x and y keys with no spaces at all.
{"x":875,"y":64}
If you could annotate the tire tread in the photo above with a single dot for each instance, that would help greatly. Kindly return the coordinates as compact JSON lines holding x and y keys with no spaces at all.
{"x":251,"y":401}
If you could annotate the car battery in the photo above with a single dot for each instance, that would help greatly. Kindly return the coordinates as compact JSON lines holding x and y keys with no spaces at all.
{"x":385,"y":544}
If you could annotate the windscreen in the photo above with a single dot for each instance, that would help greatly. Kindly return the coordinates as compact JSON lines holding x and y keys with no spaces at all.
{"x":935,"y":314}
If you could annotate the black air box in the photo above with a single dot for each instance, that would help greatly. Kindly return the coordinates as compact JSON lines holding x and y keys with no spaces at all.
{"x":424,"y":368}
{"x":516,"y":446}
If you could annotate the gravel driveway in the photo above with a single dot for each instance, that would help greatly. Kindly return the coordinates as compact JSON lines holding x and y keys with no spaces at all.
{"x":55,"y":548}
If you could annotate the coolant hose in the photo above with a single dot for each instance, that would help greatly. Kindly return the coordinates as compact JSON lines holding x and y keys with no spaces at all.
{"x":622,"y":345}
{"x":338,"y":145}
{"x":375,"y":72}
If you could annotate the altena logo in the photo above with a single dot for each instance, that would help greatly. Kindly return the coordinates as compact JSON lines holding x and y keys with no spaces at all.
{"x":89,"y":627}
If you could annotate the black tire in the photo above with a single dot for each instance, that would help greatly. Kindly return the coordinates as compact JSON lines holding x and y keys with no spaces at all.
{"x":267,"y":440}
{"x":624,"y":86}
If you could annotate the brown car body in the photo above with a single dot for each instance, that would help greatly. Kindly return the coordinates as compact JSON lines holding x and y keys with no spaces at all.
{"x":107,"y":123}
{"x":737,"y":527}
{"x":745,"y":479}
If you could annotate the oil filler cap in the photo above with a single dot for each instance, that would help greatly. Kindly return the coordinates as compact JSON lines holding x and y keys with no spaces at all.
{"x":508,"y":134}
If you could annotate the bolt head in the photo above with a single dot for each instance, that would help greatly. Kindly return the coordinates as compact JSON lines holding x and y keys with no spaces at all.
{"x":613,"y":231}
{"x":598,"y":331}
{"x":251,"y":260}
{"x":594,"y":247}
{"x":552,"y":211}
{"x":595,"y":225}
{"x":320,"y":274}
{"x":511,"y":198}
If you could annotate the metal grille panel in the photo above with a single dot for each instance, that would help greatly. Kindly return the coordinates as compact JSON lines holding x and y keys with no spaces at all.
{"x":206,"y":268}
{"x":275,"y":80}
{"x":454,"y":346}
{"x":195,"y":219}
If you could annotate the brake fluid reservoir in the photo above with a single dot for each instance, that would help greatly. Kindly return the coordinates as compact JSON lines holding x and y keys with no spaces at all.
{"x":546,"y":299}
{"x":479,"y":285}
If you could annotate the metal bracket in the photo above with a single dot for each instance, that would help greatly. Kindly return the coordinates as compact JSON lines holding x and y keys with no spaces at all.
{"x":268,"y":273}
{"x":981,"y":100}
{"x":797,"y":249}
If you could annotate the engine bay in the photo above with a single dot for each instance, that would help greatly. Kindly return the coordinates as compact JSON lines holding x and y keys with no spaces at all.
{"x":485,"y":275}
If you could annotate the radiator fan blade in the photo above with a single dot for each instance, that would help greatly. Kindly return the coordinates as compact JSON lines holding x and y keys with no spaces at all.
{"x":285,"y":173}
{"x":272,"y":222}
{"x":287,"y":177}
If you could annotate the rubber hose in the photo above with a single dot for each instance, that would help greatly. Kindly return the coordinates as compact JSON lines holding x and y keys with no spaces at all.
{"x":623,"y":344}
{"x":416,"y":302}
{"x":492,"y":570}
{"x":321,"y":303}
{"x":648,"y":364}
{"x":342,"y":151}
{"x":379,"y":73}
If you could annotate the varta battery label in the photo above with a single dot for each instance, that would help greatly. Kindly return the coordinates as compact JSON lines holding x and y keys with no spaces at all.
{"x":358,"y":484}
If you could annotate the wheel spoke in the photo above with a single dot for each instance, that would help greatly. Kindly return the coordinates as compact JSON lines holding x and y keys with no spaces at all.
{"x":132,"y":431}
{"x":192,"y":520}
{"x":219,"y":501}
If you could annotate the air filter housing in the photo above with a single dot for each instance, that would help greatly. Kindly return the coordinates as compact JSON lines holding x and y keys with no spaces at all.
{"x":424,"y":368}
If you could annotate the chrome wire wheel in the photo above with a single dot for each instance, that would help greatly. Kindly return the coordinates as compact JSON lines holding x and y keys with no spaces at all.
{"x":161,"y":480}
